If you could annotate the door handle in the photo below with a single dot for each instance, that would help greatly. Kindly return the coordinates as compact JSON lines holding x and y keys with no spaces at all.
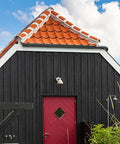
{"x":46,"y":134}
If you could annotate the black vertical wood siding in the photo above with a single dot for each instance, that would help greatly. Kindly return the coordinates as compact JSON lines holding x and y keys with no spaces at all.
{"x":28,"y":76}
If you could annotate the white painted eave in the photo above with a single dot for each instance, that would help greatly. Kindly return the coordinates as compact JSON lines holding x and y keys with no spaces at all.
{"x":19,"y":47}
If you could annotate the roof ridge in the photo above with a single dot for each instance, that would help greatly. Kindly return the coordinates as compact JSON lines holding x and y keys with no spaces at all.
{"x":35,"y":24}
{"x":44,"y":16}
{"x":75,"y":29}
{"x":39,"y":21}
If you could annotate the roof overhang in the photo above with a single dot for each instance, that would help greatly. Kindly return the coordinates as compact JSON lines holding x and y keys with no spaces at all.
{"x":63,"y":46}
{"x":60,"y":48}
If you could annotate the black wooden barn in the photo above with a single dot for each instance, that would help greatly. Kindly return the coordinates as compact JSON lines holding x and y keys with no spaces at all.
{"x":51,"y":75}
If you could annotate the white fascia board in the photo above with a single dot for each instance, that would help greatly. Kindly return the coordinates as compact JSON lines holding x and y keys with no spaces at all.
{"x":111,"y":60}
{"x":8,"y":54}
{"x":58,"y":49}
{"x":19,"y":47}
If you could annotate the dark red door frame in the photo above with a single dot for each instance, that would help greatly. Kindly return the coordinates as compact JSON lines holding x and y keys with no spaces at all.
{"x":41,"y":114}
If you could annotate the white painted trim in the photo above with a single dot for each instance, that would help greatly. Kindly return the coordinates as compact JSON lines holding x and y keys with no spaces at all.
{"x":35,"y":23}
{"x":111,"y":61}
{"x":7,"y":55}
{"x":19,"y":47}
{"x":39,"y":19}
{"x":30,"y":28}
{"x":43,"y":14}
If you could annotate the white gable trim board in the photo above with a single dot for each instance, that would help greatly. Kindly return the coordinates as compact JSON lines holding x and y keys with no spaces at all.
{"x":19,"y":47}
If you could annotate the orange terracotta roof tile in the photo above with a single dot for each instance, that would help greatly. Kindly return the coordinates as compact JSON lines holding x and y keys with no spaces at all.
{"x":53,"y":32}
{"x":22,"y":35}
{"x":42,"y":17}
{"x":28,"y":30}
{"x":54,"y":41}
{"x":54,"y":12}
{"x":62,"y":18}
{"x":56,"y":22}
{"x":46,"y":41}
{"x":38,"y":21}
{"x":64,"y":29}
{"x":84,"y":33}
{"x":62,"y":41}
{"x":69,"y":41}
{"x":49,"y":22}
{"x":38,"y":34}
{"x":76,"y":28}
{"x":43,"y":34}
{"x":51,"y":28}
{"x":67,"y":35}
{"x":93,"y":37}
{"x":14,"y":41}
{"x":33,"y":26}
{"x":74,"y":35}
{"x":84,"y":42}
{"x":39,"y":40}
{"x":76,"y":41}
{"x":90,"y":44}
{"x":57,"y":28}
{"x":59,"y":35}
{"x":46,"y":12}
{"x":43,"y":28}
{"x":69,"y":23}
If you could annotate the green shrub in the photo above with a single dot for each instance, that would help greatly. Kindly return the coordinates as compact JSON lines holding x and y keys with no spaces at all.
{"x":101,"y":135}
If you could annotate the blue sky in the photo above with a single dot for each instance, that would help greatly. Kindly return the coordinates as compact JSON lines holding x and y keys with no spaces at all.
{"x":7,"y":7}
{"x":98,"y":17}
{"x":8,"y":22}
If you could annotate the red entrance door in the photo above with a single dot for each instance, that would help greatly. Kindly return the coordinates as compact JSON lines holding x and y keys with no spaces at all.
{"x":59,"y":117}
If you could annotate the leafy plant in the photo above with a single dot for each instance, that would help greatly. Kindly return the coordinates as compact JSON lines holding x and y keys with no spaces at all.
{"x":101,"y":135}
{"x":108,"y":135}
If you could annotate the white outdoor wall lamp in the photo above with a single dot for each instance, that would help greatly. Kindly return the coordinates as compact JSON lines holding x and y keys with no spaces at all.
{"x":59,"y":80}
{"x":108,"y":106}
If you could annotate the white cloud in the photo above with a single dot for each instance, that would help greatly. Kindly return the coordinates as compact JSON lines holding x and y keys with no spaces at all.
{"x":5,"y":37}
{"x":40,"y":7}
{"x":85,"y":14}
{"x":22,"y":16}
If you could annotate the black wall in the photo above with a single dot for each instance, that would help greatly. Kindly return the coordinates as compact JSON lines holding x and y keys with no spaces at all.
{"x":28,"y":76}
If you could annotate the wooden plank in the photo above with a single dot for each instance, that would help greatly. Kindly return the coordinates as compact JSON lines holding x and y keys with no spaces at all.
{"x":1,"y":96}
{"x":111,"y":80}
{"x":57,"y":72}
{"x":84,"y":67}
{"x":64,"y":72}
{"x":44,"y":66}
{"x":104,"y":90}
{"x":14,"y":94}
{"x":91,"y":87}
{"x":42,"y":75}
{"x":98,"y":84}
{"x":22,"y":87}
{"x":7,"y":120}
{"x":117,"y":93}
{"x":16,"y":105}
{"x":111,"y":87}
{"x":78,"y":92}
{"x":7,"y":90}
{"x":29,"y":92}
{"x":70,"y":75}
{"x":35,"y":98}
{"x":50,"y":73}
